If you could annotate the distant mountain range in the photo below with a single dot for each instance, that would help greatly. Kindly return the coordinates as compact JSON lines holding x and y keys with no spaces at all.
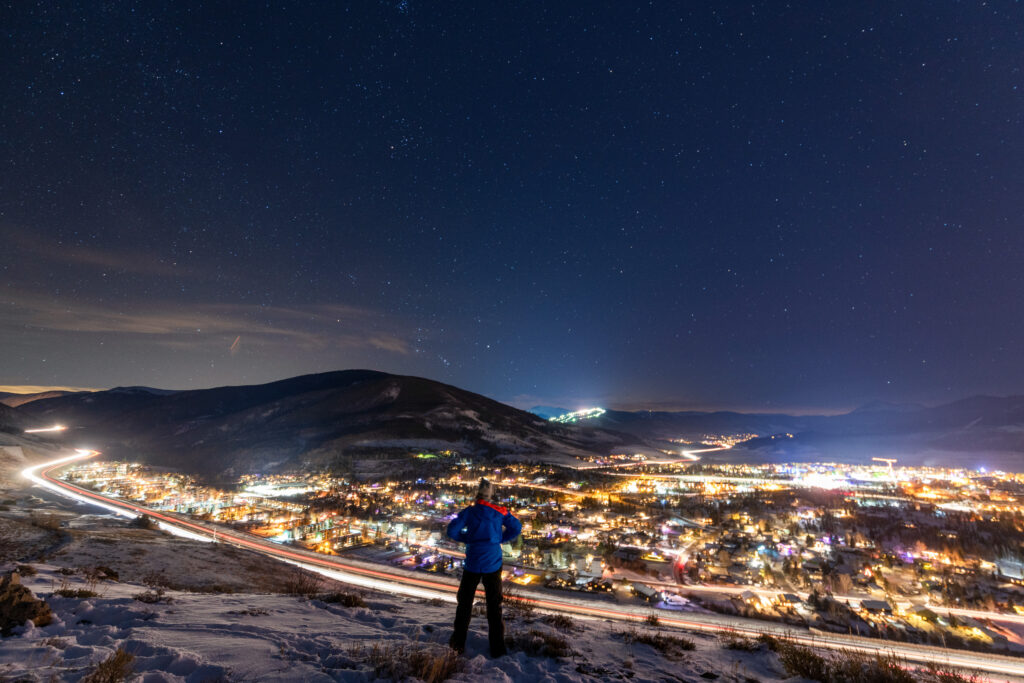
{"x":981,"y":430}
{"x":336,"y":417}
{"x":320,"y":419}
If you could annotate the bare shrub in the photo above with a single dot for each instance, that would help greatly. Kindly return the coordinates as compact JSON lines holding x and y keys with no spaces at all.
{"x":26,"y":570}
{"x":562,"y":622}
{"x":731,"y":641}
{"x":66,"y":591}
{"x":94,"y":575}
{"x":538,"y":643}
{"x":156,"y":579}
{"x":144,"y":522}
{"x":515,"y":603}
{"x":154,"y":597}
{"x":100,"y":573}
{"x":652,"y":619}
{"x":799,"y":660}
{"x":344,"y":598}
{"x":302,"y":582}
{"x":114,"y":669}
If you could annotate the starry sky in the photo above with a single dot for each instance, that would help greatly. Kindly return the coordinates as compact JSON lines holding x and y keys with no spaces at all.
{"x":758,"y":206}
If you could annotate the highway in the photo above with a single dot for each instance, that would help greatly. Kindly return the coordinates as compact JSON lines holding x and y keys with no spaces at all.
{"x":394,"y":580}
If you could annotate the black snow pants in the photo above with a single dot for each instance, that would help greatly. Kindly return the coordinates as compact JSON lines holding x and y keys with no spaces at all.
{"x":464,"y":610}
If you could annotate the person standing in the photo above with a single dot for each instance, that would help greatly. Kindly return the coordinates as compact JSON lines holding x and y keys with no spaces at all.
{"x":483,"y":527}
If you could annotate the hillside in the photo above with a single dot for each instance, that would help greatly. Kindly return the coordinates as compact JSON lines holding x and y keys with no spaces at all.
{"x":14,"y":422}
{"x":204,"y":636}
{"x":318,"y":419}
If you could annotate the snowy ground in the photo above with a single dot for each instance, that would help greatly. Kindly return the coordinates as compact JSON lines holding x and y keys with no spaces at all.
{"x":268,"y":637}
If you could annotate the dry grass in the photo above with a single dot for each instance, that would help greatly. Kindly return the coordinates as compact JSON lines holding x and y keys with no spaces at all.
{"x":731,"y":641}
{"x":562,"y":622}
{"x":344,"y":598}
{"x":515,"y":603}
{"x":154,"y":597}
{"x":538,"y":643}
{"x":403,"y":660}
{"x":66,"y":591}
{"x":114,"y":669}
{"x":672,"y":647}
{"x":854,"y":667}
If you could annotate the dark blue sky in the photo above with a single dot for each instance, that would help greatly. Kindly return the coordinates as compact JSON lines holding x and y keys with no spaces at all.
{"x":743,"y":205}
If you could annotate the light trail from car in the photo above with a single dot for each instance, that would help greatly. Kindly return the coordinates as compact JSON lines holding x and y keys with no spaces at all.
{"x":54,"y":428}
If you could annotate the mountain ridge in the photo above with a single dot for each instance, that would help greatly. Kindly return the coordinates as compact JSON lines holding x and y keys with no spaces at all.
{"x":312,"y":419}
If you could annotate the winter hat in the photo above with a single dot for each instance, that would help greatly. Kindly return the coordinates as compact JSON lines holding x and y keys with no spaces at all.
{"x":485,"y":490}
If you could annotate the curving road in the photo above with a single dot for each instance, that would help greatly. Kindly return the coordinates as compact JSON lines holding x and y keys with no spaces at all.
{"x":394,"y":580}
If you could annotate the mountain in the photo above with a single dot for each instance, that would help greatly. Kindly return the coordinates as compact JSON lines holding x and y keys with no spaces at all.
{"x":888,"y":406}
{"x":15,"y":400}
{"x":548,"y":412}
{"x":694,"y":425}
{"x":313,"y":419}
{"x":976,"y":431}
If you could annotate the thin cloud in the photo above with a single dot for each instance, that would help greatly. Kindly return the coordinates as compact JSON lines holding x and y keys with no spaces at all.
{"x":312,"y":327}
{"x":39,"y":389}
{"x":120,"y":260}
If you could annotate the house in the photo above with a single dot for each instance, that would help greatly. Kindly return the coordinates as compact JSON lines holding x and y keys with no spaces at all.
{"x":922,"y":612}
{"x":876,"y":606}
{"x":645,"y":591}
{"x":788,"y":600}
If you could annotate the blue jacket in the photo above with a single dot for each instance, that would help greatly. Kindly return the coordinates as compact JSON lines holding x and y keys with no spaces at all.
{"x":480,"y":527}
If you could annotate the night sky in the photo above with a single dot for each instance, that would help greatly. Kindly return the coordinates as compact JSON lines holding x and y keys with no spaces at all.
{"x":753,"y":206}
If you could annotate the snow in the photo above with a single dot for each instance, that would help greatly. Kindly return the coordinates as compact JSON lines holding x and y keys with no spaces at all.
{"x":270,"y":637}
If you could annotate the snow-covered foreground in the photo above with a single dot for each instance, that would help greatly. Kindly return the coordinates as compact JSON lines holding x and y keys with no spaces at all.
{"x":206,"y":637}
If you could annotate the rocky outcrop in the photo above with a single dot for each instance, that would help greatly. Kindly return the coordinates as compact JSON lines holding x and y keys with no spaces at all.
{"x":18,"y":605}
